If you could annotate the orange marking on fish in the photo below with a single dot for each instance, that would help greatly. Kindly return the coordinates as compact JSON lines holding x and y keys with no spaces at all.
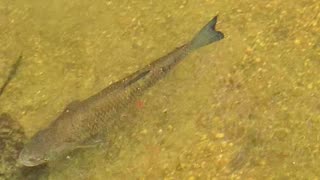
{"x":139,"y":104}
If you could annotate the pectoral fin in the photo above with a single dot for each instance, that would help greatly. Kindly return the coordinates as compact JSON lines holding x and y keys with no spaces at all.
{"x":95,"y":141}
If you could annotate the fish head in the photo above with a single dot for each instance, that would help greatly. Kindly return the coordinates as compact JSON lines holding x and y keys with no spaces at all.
{"x":36,"y":151}
{"x":42,"y":148}
{"x":29,"y":157}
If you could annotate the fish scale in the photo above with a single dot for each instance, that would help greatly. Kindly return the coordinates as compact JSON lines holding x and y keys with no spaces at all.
{"x":82,"y":121}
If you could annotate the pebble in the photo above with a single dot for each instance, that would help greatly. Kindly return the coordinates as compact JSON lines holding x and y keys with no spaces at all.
{"x":219,"y":135}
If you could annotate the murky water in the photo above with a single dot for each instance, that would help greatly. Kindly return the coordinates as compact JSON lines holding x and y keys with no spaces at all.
{"x":244,"y":108}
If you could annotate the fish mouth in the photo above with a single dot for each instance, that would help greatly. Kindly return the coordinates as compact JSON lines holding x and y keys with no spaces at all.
{"x":30,"y":163}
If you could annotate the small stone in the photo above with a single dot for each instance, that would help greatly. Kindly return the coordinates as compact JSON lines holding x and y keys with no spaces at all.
{"x":219,"y":135}
{"x":204,"y":137}
{"x":263,"y":162}
{"x":249,"y":50}
{"x":258,"y":59}
{"x":297,"y":41}
{"x":109,"y":3}
{"x":144,"y":131}
{"x":203,"y":164}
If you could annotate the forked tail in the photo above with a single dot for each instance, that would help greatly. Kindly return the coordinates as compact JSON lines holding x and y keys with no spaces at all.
{"x":206,"y":35}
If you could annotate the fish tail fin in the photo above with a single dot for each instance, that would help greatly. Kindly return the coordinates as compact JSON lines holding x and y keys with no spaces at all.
{"x":206,"y":35}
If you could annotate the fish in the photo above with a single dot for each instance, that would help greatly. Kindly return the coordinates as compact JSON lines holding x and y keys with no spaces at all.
{"x":82,"y":121}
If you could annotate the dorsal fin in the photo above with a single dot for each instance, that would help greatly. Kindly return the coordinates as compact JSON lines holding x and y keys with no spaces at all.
{"x":72,"y":106}
{"x":136,"y":78}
